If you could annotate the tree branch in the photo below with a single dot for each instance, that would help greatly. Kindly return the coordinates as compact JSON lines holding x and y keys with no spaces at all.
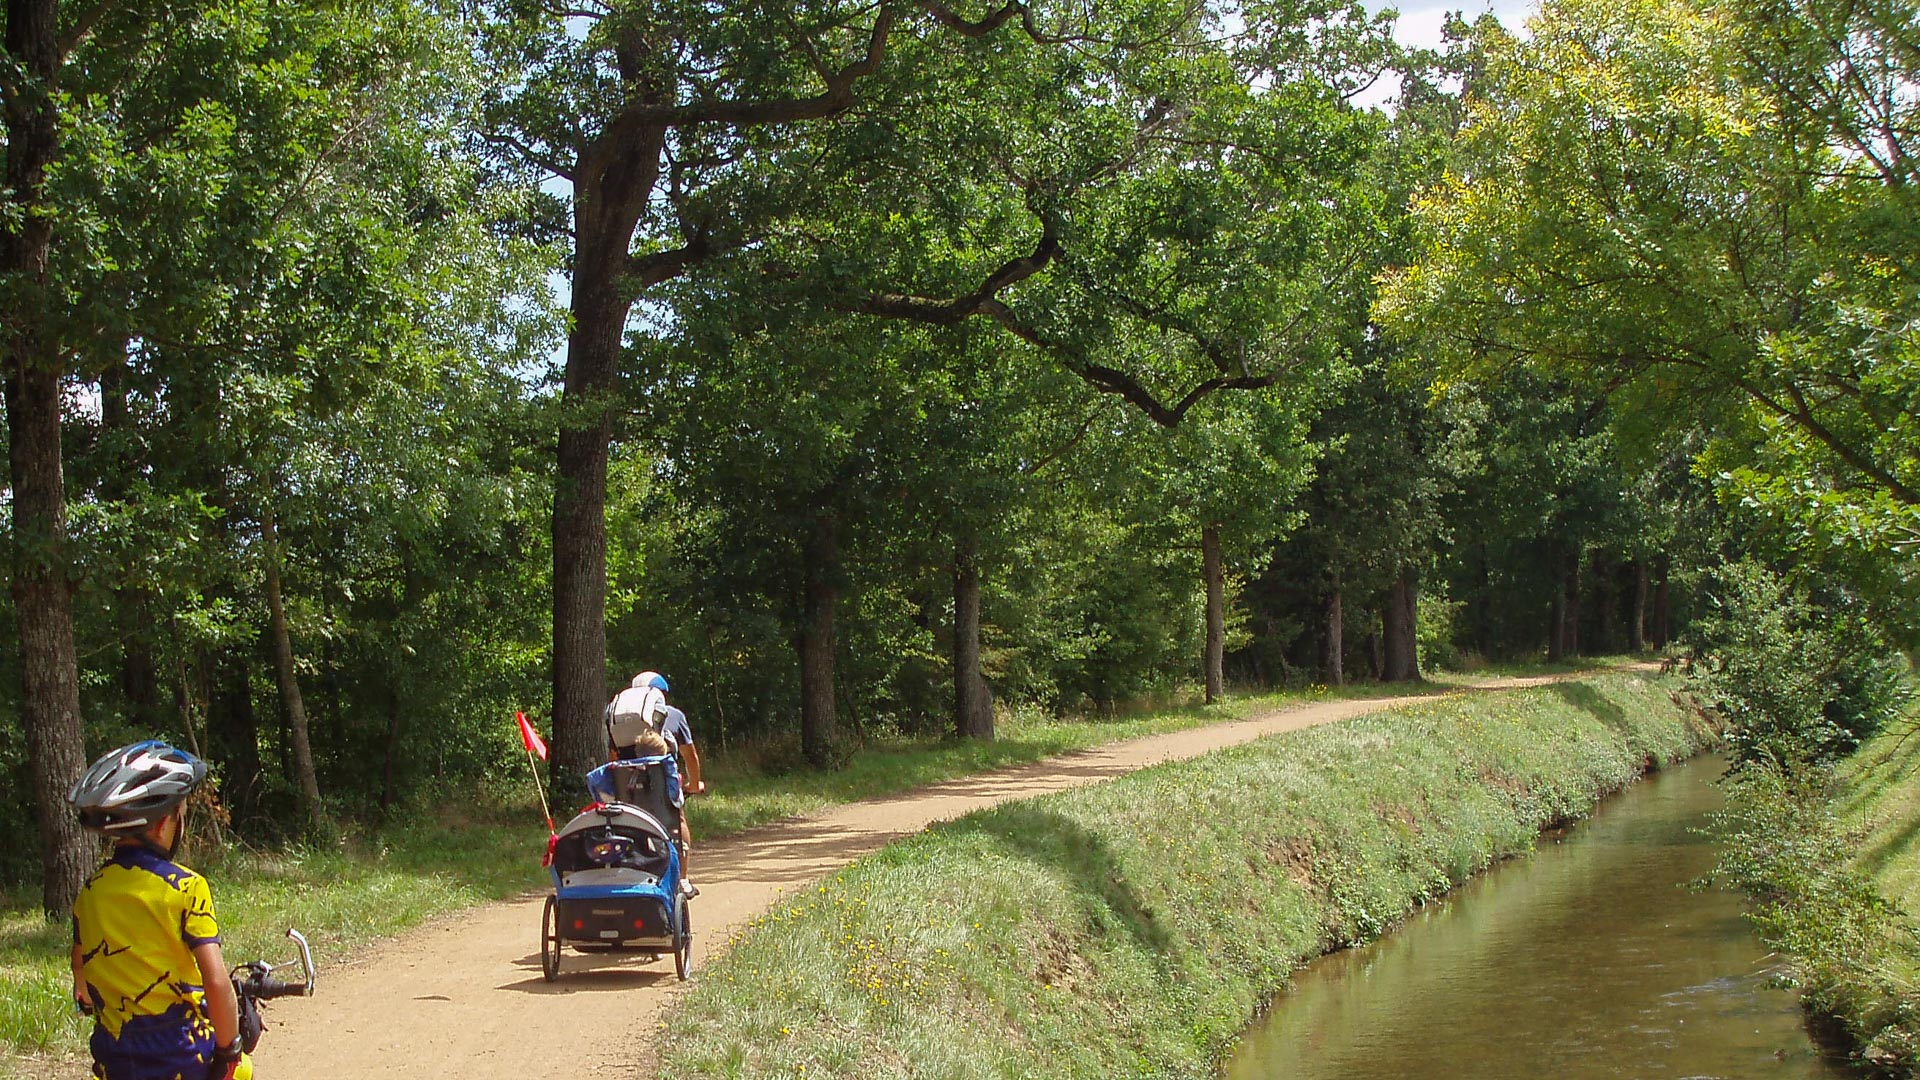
{"x":836,"y":97}
{"x":961,"y":308}
{"x":82,"y":28}
{"x":653,"y":268}
{"x":545,"y":161}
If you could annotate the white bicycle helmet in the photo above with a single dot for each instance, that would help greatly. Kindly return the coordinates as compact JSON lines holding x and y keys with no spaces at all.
{"x":128,"y":789}
{"x":653,"y":679}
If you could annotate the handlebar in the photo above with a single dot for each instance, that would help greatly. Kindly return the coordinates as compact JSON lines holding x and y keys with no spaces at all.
{"x":268,"y":989}
{"x":253,"y":983}
{"x":254,"y":978}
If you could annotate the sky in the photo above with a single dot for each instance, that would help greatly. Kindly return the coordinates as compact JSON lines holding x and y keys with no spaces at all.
{"x":1419,"y":22}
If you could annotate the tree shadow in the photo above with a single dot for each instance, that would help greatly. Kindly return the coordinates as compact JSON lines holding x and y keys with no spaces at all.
{"x":1037,"y":835}
{"x":1593,"y":703}
{"x":1884,"y":846}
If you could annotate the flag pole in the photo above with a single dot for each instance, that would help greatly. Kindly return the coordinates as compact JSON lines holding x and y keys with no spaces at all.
{"x":535,"y":769}
{"x":537,"y":786}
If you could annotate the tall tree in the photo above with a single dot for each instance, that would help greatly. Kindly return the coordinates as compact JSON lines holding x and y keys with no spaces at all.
{"x":659,"y":113}
{"x":34,"y":372}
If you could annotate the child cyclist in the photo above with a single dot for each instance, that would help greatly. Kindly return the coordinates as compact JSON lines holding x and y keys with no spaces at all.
{"x":146,"y":949}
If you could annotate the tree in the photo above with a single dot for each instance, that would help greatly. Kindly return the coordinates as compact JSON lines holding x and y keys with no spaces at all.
{"x":239,"y":202}
{"x":686,"y":135}
{"x":1231,"y":475}
{"x":37,"y":50}
{"x":1703,"y":208}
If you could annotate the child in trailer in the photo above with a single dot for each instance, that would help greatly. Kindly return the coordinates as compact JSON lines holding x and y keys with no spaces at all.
{"x":647,"y":745}
{"x":146,"y":947}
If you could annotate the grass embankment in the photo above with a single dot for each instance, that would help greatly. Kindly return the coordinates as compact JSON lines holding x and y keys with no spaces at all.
{"x":484,"y":845}
{"x":1134,"y":928}
{"x":1859,"y":956}
{"x":1880,"y":803}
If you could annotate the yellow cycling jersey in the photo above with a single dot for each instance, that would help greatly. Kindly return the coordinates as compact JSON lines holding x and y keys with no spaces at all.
{"x":137,"y":922}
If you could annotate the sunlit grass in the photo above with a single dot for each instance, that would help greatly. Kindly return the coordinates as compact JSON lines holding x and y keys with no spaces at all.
{"x":1132,"y":929}
{"x":1880,"y":801}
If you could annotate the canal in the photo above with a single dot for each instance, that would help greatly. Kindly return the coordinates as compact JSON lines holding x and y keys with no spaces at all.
{"x":1591,"y":958}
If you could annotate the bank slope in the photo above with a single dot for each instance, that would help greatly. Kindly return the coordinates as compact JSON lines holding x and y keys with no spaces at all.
{"x":1134,"y":928}
{"x":1858,"y":958}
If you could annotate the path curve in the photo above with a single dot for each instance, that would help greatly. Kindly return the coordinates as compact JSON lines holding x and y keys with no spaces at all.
{"x":464,"y":997}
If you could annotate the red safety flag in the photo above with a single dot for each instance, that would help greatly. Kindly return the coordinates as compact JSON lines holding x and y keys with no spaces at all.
{"x":532,"y":738}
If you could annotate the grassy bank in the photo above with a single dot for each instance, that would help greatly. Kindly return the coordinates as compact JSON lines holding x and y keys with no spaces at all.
{"x":1880,"y":805}
{"x":1134,"y":928}
{"x":485,"y":845}
{"x":1880,"y":813}
{"x":1833,"y":864}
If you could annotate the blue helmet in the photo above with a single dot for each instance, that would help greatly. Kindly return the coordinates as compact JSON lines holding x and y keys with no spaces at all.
{"x":653,"y":679}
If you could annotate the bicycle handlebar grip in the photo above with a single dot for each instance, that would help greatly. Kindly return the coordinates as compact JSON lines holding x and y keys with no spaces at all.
{"x":268,"y":989}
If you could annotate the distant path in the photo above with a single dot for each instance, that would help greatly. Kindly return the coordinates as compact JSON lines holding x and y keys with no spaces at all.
{"x":464,"y":997}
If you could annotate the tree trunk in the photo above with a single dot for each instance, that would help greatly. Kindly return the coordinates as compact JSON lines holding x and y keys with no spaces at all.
{"x":42,"y":587}
{"x":1574,"y":584}
{"x":1333,"y":660}
{"x":1401,"y":657}
{"x":304,"y":776}
{"x":43,"y":603}
{"x":389,"y":773}
{"x":615,"y":177}
{"x":233,"y":733}
{"x":139,"y":677}
{"x":1660,"y":635}
{"x":580,"y":539}
{"x":817,"y":710}
{"x":1216,"y":612}
{"x":1483,"y":617}
{"x":1637,"y":624}
{"x":1557,"y":612}
{"x":972,"y":698}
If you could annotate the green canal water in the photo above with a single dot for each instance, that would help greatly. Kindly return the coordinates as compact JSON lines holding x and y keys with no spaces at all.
{"x":1591,"y":958}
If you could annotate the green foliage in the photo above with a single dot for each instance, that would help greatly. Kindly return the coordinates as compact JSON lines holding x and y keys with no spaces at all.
{"x":1850,"y":950}
{"x":1687,"y":204}
{"x":1799,"y":681}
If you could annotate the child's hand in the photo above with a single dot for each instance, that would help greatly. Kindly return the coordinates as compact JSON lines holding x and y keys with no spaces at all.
{"x":81,"y":1004}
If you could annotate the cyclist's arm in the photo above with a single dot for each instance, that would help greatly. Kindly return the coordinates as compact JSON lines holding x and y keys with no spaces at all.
{"x":692,"y":756}
{"x":222,"y":1008}
{"x":79,"y":978}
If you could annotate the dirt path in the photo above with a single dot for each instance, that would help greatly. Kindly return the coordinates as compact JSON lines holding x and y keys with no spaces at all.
{"x":464,"y":997}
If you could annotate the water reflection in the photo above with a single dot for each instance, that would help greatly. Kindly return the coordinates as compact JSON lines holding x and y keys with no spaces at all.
{"x":1589,"y":959}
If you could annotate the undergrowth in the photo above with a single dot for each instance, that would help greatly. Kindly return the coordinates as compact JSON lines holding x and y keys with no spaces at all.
{"x":1830,"y":860}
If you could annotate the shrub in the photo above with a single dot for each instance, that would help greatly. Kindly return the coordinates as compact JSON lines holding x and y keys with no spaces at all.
{"x":1798,"y":680}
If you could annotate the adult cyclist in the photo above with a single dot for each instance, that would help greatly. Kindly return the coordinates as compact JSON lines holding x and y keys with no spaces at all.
{"x":644,"y":705}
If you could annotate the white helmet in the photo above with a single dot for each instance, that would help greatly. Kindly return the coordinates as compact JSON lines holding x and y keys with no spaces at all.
{"x":653,"y":679}
{"x":131,"y":788}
